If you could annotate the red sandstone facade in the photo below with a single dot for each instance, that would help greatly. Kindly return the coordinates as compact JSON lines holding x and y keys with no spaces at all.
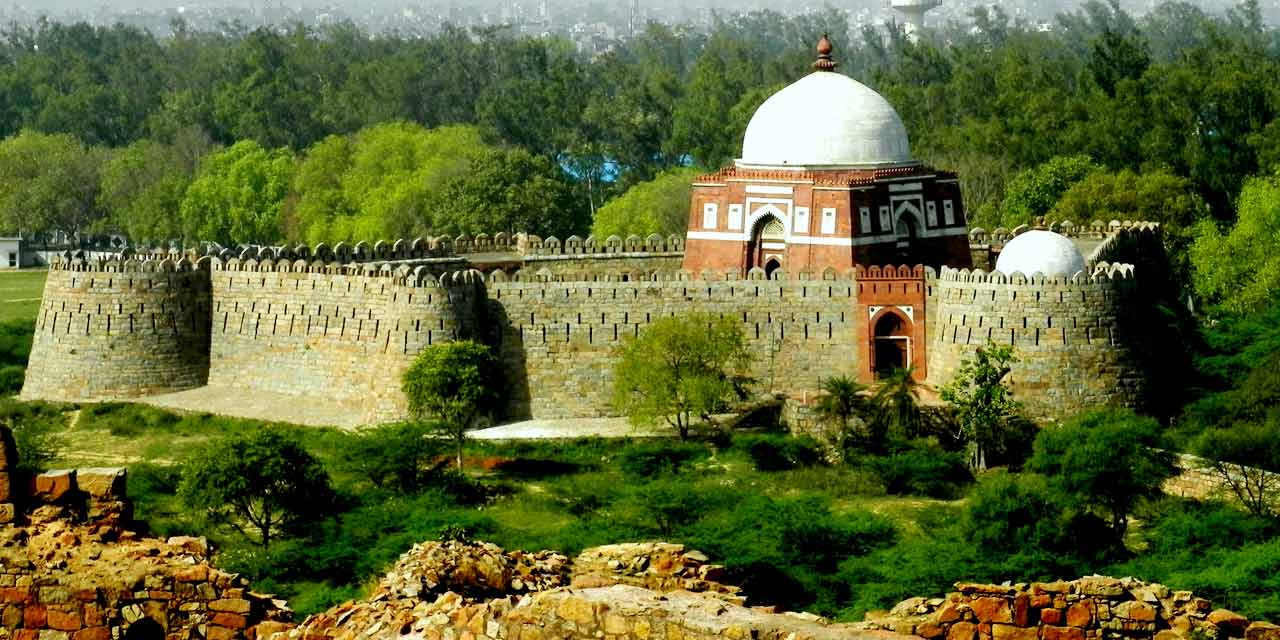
{"x":814,"y":219}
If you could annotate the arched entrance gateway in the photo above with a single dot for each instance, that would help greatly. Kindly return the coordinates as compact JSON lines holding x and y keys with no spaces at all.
{"x":768,"y":245}
{"x":891,"y":342}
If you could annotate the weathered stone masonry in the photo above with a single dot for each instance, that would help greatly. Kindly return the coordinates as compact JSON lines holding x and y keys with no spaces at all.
{"x":120,"y":329}
{"x":343,"y":323}
{"x":347,"y":335}
{"x":559,"y":339}
{"x":1073,"y":337}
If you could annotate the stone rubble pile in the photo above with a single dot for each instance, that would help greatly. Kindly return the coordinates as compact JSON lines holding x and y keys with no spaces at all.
{"x":475,"y":571}
{"x":621,"y":591}
{"x":1085,"y":609}
{"x":61,"y":580}
{"x":71,"y":569}
{"x":659,"y":566}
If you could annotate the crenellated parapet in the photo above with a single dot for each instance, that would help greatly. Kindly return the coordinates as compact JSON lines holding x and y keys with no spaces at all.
{"x":1075,"y":337}
{"x":1100,"y":229}
{"x":1100,"y":273}
{"x":875,"y":272}
{"x":530,"y":245}
{"x":417,"y":273}
{"x":126,"y":263}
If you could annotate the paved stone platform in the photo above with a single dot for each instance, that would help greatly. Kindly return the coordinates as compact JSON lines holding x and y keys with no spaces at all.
{"x":569,"y":428}
{"x":311,"y":411}
{"x":325,"y":412}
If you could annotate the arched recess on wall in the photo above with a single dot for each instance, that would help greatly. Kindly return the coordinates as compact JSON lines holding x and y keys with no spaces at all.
{"x":891,"y":346}
{"x":768,"y":245}
{"x":908,"y":223}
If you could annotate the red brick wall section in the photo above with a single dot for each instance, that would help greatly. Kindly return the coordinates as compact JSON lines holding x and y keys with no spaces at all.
{"x":1085,"y":609}
{"x":71,"y":570}
{"x":893,"y":288}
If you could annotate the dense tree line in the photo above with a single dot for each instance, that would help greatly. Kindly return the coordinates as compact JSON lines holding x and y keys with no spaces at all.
{"x":335,"y":134}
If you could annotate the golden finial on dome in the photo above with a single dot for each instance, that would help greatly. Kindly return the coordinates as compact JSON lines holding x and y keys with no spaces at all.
{"x":824,"y":61}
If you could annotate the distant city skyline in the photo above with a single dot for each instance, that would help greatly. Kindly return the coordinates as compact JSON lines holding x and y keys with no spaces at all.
{"x":594,"y":25}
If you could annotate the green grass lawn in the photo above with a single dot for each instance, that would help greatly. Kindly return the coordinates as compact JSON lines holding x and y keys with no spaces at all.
{"x":20,"y":294}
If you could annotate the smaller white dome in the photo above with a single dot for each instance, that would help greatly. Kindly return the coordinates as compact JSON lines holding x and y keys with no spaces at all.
{"x":1039,"y":251}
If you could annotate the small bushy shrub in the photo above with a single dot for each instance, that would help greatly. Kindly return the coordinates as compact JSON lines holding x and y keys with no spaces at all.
{"x":11,"y":377}
{"x":923,"y":469}
{"x":15,"y":342}
{"x":1033,"y":529}
{"x":777,"y":452}
{"x":646,"y":460}
{"x":780,"y":550}
{"x":397,"y":457}
{"x":1173,"y":526}
{"x":37,"y":429}
{"x":666,"y":504}
{"x":462,"y":489}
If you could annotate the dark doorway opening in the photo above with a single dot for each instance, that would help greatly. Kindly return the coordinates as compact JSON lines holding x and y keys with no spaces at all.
{"x":144,"y":629}
{"x":768,"y":237}
{"x":892,"y":344}
{"x":771,"y":266}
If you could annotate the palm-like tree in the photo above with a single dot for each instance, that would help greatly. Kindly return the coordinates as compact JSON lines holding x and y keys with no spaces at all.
{"x":896,"y":404}
{"x":843,"y":400}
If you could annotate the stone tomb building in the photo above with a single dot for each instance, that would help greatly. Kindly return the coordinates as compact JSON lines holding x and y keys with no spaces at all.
{"x":797,"y":240}
{"x":826,"y":180}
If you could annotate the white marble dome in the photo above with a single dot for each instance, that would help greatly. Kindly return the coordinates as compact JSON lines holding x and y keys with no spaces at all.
{"x":1039,"y":251}
{"x":825,"y":119}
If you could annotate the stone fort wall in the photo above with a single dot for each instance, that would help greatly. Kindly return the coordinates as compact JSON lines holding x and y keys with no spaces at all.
{"x":116,"y":329}
{"x":1074,"y":338}
{"x":343,"y":322}
{"x":345,"y":332}
{"x":558,"y":338}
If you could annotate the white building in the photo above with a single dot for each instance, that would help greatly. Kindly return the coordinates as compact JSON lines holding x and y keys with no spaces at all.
{"x":14,"y":254}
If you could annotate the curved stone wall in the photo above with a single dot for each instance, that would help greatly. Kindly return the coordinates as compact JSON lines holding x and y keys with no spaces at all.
{"x":344,"y":332}
{"x":116,"y":329}
{"x":1075,"y":338}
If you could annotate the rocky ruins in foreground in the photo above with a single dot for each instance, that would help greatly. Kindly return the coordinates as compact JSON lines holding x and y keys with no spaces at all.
{"x":72,"y":567}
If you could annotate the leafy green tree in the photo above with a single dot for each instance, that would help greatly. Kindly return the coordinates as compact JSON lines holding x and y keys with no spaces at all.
{"x":238,"y":196}
{"x":271,"y":91}
{"x":1240,"y":269}
{"x":1246,"y":458}
{"x":658,"y":206}
{"x":142,"y":186}
{"x":1107,"y":459}
{"x":262,"y":485}
{"x":510,"y":190}
{"x":1156,"y":196}
{"x":47,"y":183}
{"x":680,"y":368}
{"x":393,"y":456}
{"x":721,"y":76}
{"x":453,"y":383}
{"x":1034,"y":192}
{"x":984,"y":407}
{"x":385,"y":181}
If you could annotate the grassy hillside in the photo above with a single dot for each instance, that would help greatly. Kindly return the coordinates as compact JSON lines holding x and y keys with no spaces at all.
{"x":20,"y":294}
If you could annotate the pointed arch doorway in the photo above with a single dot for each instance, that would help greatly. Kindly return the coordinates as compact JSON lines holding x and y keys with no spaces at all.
{"x":768,"y":246}
{"x":890,"y":343}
